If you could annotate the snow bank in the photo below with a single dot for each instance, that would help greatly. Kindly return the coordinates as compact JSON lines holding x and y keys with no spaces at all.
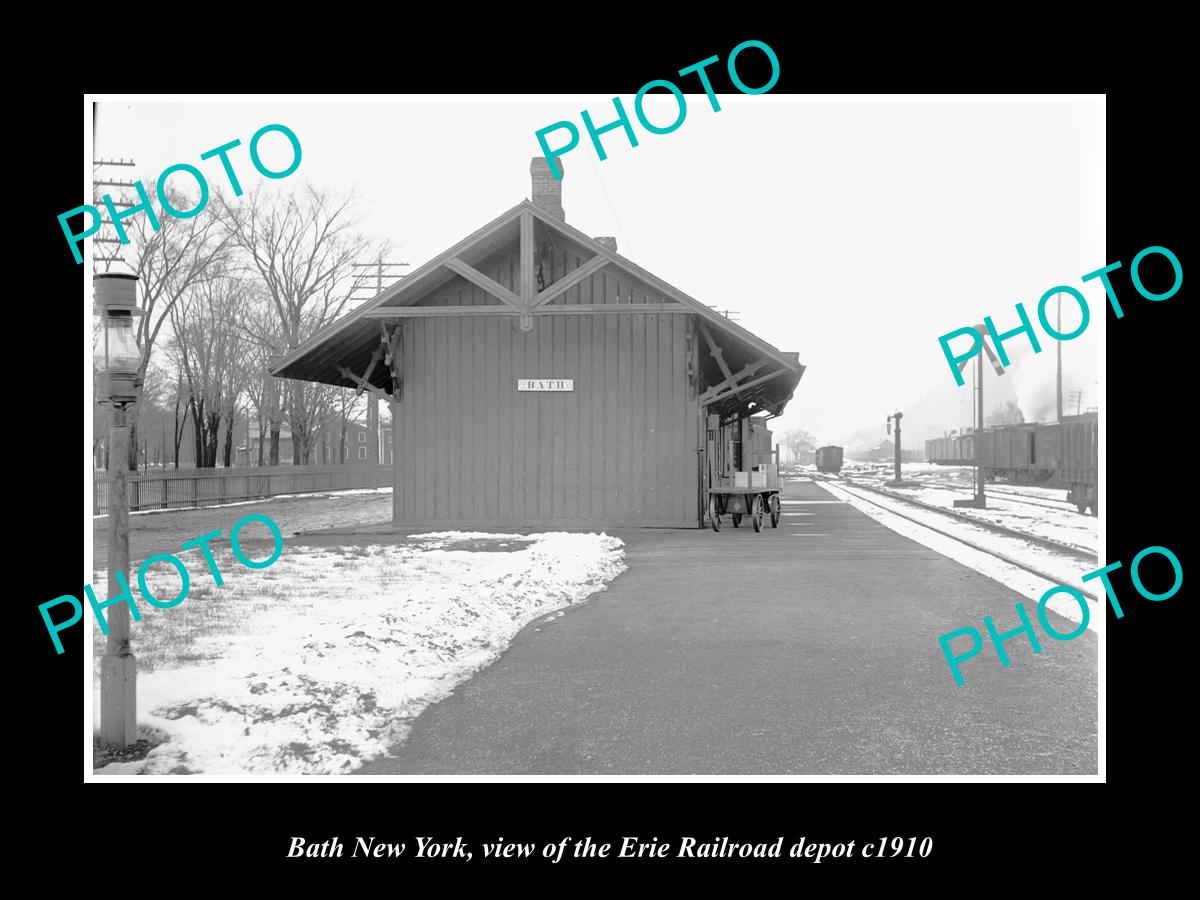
{"x":362,"y":640}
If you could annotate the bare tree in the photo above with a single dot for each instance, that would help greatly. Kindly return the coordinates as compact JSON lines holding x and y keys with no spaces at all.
{"x":798,"y":439}
{"x":169,"y":262}
{"x":1007,"y":414}
{"x":350,"y":408}
{"x":209,"y":346}
{"x":181,"y":400}
{"x":312,"y":409}
{"x":301,"y":245}
{"x":264,"y":340}
{"x":156,"y":398}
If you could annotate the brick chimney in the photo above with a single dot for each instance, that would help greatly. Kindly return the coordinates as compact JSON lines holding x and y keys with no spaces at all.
{"x":547,"y":190}
{"x":608,"y":243}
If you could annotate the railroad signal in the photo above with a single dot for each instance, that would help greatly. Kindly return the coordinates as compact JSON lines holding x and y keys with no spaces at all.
{"x":983,"y":334}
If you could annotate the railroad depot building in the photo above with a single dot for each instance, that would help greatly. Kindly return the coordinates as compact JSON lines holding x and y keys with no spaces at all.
{"x":537,"y":377}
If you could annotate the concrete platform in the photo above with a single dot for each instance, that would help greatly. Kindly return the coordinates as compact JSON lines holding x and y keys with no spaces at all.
{"x":807,"y":649}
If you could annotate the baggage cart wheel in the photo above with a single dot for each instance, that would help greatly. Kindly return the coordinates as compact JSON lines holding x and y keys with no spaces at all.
{"x":714,"y":517}
{"x":756,"y":513}
{"x":774,"y":510}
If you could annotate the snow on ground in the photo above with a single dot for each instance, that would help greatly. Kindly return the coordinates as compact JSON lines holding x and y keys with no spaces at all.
{"x":1064,"y":525}
{"x":1066,"y":570}
{"x":322,"y":660}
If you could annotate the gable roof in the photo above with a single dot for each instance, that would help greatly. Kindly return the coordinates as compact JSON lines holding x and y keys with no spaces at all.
{"x":350,"y":340}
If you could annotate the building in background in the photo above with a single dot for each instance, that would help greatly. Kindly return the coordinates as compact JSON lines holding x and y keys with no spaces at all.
{"x":247,"y":453}
{"x":355,"y":450}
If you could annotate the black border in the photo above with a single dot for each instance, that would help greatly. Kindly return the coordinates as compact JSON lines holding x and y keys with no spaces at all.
{"x":973,"y":825}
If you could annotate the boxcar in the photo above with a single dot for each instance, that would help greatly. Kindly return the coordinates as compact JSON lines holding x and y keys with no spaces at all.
{"x":829,"y":459}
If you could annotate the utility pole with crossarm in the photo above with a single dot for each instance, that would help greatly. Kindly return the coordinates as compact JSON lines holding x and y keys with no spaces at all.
{"x":979,"y":501}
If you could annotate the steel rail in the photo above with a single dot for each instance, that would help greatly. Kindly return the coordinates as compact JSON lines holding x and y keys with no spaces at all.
{"x":1012,"y":561}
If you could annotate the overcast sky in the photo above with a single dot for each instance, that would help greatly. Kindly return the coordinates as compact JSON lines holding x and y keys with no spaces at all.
{"x":852,"y":232}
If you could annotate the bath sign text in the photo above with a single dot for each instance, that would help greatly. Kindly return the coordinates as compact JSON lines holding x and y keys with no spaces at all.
{"x":545,"y":384}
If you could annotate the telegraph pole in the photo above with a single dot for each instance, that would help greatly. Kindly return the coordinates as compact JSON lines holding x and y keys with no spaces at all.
{"x":372,"y":401}
{"x":979,"y":501}
{"x":102,"y":237}
{"x":1059,"y":343}
{"x":980,"y":496}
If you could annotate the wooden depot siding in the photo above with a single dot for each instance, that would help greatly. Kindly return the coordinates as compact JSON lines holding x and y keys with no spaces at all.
{"x":620,"y":448}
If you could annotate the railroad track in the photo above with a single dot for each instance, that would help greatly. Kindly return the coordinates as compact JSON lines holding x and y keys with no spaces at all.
{"x":1014,"y":496}
{"x":1060,"y":546}
{"x":990,"y":551}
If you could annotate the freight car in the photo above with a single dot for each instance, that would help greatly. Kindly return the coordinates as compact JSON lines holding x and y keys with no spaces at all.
{"x":1079,"y":467}
{"x":951,"y":451}
{"x":1052,"y":454}
{"x":829,"y":459}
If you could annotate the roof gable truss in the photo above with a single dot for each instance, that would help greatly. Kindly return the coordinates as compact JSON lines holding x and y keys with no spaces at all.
{"x":437,"y":288}
{"x":528,"y":252}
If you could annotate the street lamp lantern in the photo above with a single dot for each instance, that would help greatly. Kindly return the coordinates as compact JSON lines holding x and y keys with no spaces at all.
{"x":118,"y":357}
{"x":118,"y":385}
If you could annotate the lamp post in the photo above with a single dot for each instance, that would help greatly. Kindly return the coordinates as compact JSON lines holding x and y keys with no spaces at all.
{"x":118,"y":386}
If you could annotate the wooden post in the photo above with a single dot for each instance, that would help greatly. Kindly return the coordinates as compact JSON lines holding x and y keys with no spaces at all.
{"x":118,"y":668}
{"x":980,"y":496}
{"x":373,"y":433}
{"x":1059,"y":375}
{"x":397,"y":484}
{"x":897,"y":447}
